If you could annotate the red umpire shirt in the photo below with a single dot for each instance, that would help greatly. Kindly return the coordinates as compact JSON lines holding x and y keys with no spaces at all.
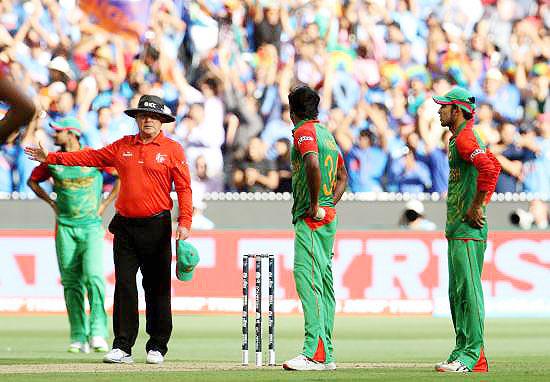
{"x":146,"y":172}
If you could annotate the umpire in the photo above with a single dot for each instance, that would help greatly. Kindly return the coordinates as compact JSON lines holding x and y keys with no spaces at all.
{"x":148,"y":163}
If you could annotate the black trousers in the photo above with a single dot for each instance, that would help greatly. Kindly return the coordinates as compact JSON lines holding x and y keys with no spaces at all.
{"x":145,"y":244}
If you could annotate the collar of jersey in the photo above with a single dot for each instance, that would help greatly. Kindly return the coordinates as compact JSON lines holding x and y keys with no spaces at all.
{"x":157,"y":141}
{"x":304,"y":121}
{"x":464,"y":124}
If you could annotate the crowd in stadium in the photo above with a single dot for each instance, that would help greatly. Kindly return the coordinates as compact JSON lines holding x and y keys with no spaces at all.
{"x":225,"y":68}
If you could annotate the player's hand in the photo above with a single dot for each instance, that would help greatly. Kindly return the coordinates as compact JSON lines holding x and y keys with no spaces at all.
{"x":37,"y":153}
{"x":312,"y":211}
{"x":182,"y":233}
{"x":101,"y":209}
{"x":474,"y":217}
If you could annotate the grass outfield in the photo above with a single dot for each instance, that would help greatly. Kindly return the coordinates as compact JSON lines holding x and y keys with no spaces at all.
{"x":207,"y":348}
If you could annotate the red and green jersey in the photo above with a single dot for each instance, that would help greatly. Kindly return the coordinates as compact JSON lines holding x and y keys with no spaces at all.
{"x":312,"y":137}
{"x":472,"y":168}
{"x":78,"y":192}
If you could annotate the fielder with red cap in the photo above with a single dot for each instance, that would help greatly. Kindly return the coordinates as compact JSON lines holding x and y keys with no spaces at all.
{"x":472,"y":180}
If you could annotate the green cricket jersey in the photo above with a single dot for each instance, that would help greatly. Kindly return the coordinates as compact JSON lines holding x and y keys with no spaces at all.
{"x":463,"y":185}
{"x":78,"y":192}
{"x":311,"y":136}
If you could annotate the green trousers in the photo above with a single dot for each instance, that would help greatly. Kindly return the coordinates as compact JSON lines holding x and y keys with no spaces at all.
{"x":80,"y":259}
{"x":466,"y":299}
{"x":314,"y":284}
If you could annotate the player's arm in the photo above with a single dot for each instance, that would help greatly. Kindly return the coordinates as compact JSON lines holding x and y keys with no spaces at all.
{"x":21,"y":110}
{"x":305,"y":141}
{"x":112,"y":195}
{"x":40,"y":174}
{"x":313,"y":178}
{"x":341,"y":180}
{"x":488,"y":171}
{"x":182,"y":185}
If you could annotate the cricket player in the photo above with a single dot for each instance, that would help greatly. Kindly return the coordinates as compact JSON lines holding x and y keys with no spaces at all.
{"x":472,"y":179}
{"x":21,"y":110}
{"x":78,"y":238}
{"x":319,"y":179}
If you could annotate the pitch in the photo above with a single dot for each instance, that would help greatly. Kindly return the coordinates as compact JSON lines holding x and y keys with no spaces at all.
{"x":207,"y":348}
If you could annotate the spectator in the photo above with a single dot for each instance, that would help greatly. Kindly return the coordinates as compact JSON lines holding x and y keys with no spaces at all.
{"x":504,"y":97}
{"x":268,"y":24}
{"x":537,"y":177}
{"x":200,"y":179}
{"x":512,"y":152}
{"x":365,"y":163}
{"x":202,"y":138}
{"x":276,"y":130}
{"x":201,"y":184}
{"x":282,"y":161}
{"x":410,"y":175}
{"x":538,"y":101}
{"x":436,"y":159}
{"x":413,"y":217}
{"x":256,"y":173}
{"x":486,"y":127}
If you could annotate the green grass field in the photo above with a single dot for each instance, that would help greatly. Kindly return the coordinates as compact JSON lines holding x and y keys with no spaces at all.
{"x":207,"y":348}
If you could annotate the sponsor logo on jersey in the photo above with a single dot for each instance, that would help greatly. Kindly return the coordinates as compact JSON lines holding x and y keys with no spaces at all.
{"x":475,"y":153}
{"x":75,"y":183}
{"x":160,"y":158}
{"x":127,"y":154}
{"x":304,"y":138}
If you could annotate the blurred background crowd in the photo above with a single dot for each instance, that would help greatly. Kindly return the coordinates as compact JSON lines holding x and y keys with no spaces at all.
{"x":225,"y":67}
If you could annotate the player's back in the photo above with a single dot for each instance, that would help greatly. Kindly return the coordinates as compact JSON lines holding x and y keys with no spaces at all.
{"x":328,"y":163}
{"x":313,"y":137}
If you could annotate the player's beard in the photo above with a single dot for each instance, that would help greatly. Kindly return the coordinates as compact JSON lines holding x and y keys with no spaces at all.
{"x":445,"y":122}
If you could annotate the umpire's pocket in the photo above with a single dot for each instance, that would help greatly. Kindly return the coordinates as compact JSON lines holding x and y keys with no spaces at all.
{"x":114,"y":224}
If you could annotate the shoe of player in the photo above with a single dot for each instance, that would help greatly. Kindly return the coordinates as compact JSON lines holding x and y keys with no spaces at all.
{"x":303,"y":363}
{"x":79,"y":347}
{"x":330,"y":366}
{"x":117,"y":356}
{"x":440,"y":364}
{"x":453,"y":367}
{"x":99,"y":345}
{"x":154,"y":357}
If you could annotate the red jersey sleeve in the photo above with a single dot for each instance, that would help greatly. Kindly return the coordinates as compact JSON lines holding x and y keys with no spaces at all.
{"x":104,"y":157}
{"x":483,"y":160}
{"x":340,"y":160}
{"x":182,"y":184}
{"x":305,"y":139}
{"x":40,"y":173}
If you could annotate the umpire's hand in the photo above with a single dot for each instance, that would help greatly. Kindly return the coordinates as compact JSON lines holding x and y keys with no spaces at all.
{"x":182,"y":233}
{"x":37,"y":153}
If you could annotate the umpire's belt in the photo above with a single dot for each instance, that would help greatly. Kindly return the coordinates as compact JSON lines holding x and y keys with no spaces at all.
{"x":146,"y":220}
